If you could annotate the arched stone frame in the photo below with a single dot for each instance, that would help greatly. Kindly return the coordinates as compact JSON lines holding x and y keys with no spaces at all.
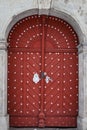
{"x":82,"y":52}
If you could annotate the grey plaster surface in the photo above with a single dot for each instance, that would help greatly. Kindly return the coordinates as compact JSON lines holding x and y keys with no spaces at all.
{"x":75,"y":13}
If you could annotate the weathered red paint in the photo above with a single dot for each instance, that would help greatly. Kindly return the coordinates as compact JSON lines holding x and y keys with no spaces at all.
{"x":42,"y":44}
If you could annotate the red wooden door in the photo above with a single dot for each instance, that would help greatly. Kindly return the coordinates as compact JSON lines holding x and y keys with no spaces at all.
{"x":46,"y":46}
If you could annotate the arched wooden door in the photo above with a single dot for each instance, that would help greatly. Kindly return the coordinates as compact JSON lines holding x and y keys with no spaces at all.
{"x":45,"y":47}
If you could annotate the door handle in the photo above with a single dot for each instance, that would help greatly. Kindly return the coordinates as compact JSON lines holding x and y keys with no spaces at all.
{"x":44,"y":75}
{"x":48,"y":79}
{"x":36,"y":78}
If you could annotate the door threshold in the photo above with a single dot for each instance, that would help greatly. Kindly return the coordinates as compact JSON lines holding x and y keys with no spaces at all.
{"x":12,"y":128}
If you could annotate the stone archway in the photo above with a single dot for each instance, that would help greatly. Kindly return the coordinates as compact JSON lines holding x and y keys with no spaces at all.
{"x":82,"y":118}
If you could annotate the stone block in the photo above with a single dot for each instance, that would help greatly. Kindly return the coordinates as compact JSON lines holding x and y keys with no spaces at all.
{"x":82,"y":123}
{"x":4,"y":122}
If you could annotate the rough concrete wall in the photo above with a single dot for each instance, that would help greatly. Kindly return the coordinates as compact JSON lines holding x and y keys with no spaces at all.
{"x":76,"y":8}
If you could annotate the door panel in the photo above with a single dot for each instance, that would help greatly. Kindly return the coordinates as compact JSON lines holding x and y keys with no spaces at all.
{"x":47,"y":46}
{"x":61,"y":95}
{"x":23,"y":93}
{"x":70,"y":82}
{"x":32,"y":99}
{"x":53,"y":90}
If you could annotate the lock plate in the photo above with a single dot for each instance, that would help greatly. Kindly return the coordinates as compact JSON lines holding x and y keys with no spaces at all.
{"x":42,"y":75}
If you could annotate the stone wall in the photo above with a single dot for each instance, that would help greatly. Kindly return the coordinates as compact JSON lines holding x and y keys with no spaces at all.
{"x":75,"y":13}
{"x":10,"y":8}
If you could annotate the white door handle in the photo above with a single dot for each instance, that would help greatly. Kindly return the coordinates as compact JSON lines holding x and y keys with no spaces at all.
{"x":47,"y":79}
{"x":36,"y":78}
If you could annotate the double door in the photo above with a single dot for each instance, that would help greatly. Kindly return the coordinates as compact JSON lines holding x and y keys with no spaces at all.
{"x":43,"y":83}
